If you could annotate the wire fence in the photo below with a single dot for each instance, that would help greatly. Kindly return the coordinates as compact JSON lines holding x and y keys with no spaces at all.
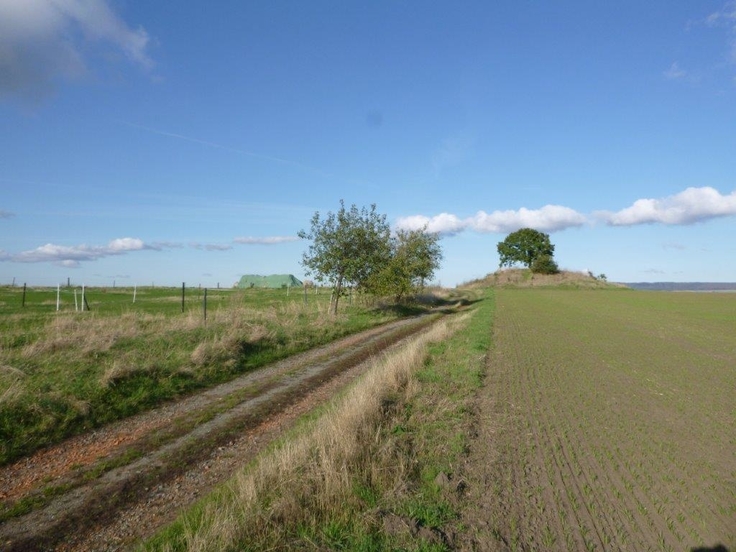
{"x":24,"y":299}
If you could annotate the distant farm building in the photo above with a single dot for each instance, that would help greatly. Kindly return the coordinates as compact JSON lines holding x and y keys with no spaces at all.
{"x":274,"y":281}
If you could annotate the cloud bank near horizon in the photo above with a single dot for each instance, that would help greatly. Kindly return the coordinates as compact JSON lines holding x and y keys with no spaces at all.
{"x":272,"y":240}
{"x":549,"y":218}
{"x":690,"y":206}
{"x":72,"y":256}
{"x":44,"y":40}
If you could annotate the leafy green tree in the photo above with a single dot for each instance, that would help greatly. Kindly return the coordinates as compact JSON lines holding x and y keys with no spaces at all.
{"x":347,"y":247}
{"x":415,"y":255}
{"x":544,"y":264}
{"x":526,"y":246}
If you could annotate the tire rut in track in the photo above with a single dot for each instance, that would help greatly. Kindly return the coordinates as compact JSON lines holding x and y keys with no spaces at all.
{"x":240,"y":418}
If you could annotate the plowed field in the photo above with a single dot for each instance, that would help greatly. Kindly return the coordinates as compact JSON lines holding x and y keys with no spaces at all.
{"x":607,"y":422}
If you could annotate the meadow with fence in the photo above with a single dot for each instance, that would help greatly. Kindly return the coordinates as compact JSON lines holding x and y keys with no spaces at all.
{"x":65,"y":369}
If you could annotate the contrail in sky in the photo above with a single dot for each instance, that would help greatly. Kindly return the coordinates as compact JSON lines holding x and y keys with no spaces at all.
{"x":226,"y":148}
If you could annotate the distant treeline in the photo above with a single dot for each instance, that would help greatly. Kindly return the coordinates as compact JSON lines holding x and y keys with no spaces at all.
{"x":684,"y":286}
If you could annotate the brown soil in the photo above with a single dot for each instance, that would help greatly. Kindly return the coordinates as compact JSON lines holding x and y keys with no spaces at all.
{"x":169,"y":457}
{"x":543,"y":475}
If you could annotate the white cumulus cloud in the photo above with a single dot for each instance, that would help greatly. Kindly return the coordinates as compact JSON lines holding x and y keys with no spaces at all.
{"x":42,"y":41}
{"x":549,"y":218}
{"x":689,"y":206}
{"x":121,"y":245}
{"x":444,"y":223}
{"x":71,"y":256}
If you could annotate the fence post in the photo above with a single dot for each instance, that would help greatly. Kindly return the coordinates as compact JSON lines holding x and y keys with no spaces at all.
{"x":24,"y":295}
{"x":205,"y":305}
{"x":182,"y":297}
{"x":84,"y":299}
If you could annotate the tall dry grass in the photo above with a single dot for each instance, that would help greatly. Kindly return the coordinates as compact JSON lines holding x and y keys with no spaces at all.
{"x":221,"y":339}
{"x":311,"y":477}
{"x":116,"y":364}
{"x":11,"y":383}
{"x":87,"y":333}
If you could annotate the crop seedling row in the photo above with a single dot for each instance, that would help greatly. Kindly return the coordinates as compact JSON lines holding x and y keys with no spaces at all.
{"x":624,"y":422}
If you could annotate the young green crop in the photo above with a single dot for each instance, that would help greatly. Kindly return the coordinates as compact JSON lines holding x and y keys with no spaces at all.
{"x":627,"y":399}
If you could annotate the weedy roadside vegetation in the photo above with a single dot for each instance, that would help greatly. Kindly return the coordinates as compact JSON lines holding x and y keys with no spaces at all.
{"x":64,"y":372}
{"x":373,"y":470}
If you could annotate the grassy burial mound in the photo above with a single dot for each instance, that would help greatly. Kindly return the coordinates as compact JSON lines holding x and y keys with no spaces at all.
{"x":524,"y":278}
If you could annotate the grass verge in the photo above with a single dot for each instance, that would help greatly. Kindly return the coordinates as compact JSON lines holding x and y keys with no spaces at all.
{"x":68,"y":372}
{"x":373,"y":471}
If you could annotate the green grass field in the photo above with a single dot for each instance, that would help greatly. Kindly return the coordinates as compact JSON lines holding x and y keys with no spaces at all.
{"x":66,"y":371}
{"x":617,"y":416}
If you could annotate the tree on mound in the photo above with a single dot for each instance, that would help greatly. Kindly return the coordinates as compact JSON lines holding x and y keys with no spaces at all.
{"x":545,"y":264}
{"x":531,"y":248}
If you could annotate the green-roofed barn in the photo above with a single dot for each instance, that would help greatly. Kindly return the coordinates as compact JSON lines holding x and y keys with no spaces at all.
{"x":273,"y":281}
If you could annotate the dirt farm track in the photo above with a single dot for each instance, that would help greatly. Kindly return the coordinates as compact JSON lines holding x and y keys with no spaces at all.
{"x":180,"y":457}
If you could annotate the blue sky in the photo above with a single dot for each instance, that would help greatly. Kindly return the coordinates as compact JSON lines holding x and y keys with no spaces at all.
{"x":151,"y":142}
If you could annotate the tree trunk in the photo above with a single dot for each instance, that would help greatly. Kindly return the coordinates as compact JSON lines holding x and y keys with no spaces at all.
{"x":338,"y":290}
